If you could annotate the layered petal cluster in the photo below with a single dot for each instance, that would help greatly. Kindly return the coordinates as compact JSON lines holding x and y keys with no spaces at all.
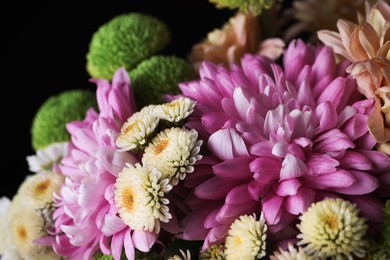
{"x":86,"y":218}
{"x":315,"y":15}
{"x":367,"y":45}
{"x":278,"y":140}
{"x":228,"y":45}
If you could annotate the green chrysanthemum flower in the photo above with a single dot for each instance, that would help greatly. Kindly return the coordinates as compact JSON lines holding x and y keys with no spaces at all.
{"x":386,"y":230}
{"x":49,"y":123}
{"x":125,"y":41}
{"x":246,"y":6}
{"x":157,"y":76}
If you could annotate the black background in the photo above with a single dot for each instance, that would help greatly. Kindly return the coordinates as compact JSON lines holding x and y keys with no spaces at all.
{"x":44,"y":49}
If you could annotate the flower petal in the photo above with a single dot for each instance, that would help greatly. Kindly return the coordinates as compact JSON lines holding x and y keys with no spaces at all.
{"x":143,"y":240}
{"x":234,"y":169}
{"x":292,"y":167}
{"x":363,"y":183}
{"x":300,"y":202}
{"x":272,"y":204}
{"x":287,"y":187}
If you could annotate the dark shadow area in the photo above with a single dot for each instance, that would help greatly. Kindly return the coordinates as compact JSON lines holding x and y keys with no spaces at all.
{"x":44,"y":54}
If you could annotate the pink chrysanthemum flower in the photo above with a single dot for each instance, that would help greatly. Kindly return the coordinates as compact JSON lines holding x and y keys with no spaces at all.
{"x":86,"y":219}
{"x":279,"y":140}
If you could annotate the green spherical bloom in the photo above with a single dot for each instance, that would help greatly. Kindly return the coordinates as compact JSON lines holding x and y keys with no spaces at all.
{"x":246,"y":6}
{"x":125,"y":41}
{"x":49,"y":123}
{"x":386,"y":229}
{"x":157,"y":76}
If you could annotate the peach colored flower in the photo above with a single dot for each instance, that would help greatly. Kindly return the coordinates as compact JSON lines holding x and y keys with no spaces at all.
{"x":367,"y":46}
{"x":314,"y":15}
{"x":379,"y":120}
{"x":228,"y":45}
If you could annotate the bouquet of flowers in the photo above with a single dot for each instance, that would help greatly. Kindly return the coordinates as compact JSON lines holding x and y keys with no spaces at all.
{"x":270,"y":140}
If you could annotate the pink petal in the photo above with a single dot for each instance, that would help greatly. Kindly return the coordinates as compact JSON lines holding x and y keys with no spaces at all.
{"x":336,"y":93}
{"x":324,"y":64}
{"x":215,"y":235}
{"x":230,"y":212}
{"x":234,"y":169}
{"x":112,"y":225}
{"x":271,"y":123}
{"x":265,"y":169}
{"x":332,"y":141}
{"x":215,"y":188}
{"x":193,"y":223}
{"x":214,"y":121}
{"x":114,"y":161}
{"x":143,"y":240}
{"x":238,"y":195}
{"x":207,"y":70}
{"x":227,"y":144}
{"x":364,"y":183}
{"x":258,"y":190}
{"x":271,"y":208}
{"x":292,"y":167}
{"x":379,"y":160}
{"x":355,"y":160}
{"x":321,"y":164}
{"x":347,"y":113}
{"x":327,"y":116}
{"x":104,"y":245}
{"x":305,"y":95}
{"x":262,"y":149}
{"x":299,"y":203}
{"x":128,"y":244}
{"x":241,"y":102}
{"x":356,"y":127}
{"x":117,"y":244}
{"x":287,"y":187}
{"x":340,"y":178}
{"x":370,"y":206}
{"x":211,"y":220}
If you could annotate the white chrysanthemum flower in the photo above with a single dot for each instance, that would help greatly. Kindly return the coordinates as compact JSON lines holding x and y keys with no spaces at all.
{"x":173,"y":152}
{"x":140,"y":198}
{"x":333,"y":228}
{"x":177,"y":110}
{"x":214,"y":252}
{"x":4,"y":223}
{"x":45,"y":158}
{"x":11,"y":254}
{"x":184,"y":256}
{"x":246,"y":238}
{"x":40,"y":188}
{"x":291,"y":254}
{"x":137,"y":131}
{"x":150,"y":110}
{"x":25,"y":226}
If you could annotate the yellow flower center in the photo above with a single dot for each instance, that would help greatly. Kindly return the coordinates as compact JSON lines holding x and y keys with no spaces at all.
{"x":128,"y":199}
{"x":22,"y":233}
{"x":332,"y":221}
{"x":42,"y":188}
{"x":161,"y":146}
{"x":130,"y":127}
{"x":172,"y":104}
{"x":237,"y":241}
{"x":215,"y":252}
